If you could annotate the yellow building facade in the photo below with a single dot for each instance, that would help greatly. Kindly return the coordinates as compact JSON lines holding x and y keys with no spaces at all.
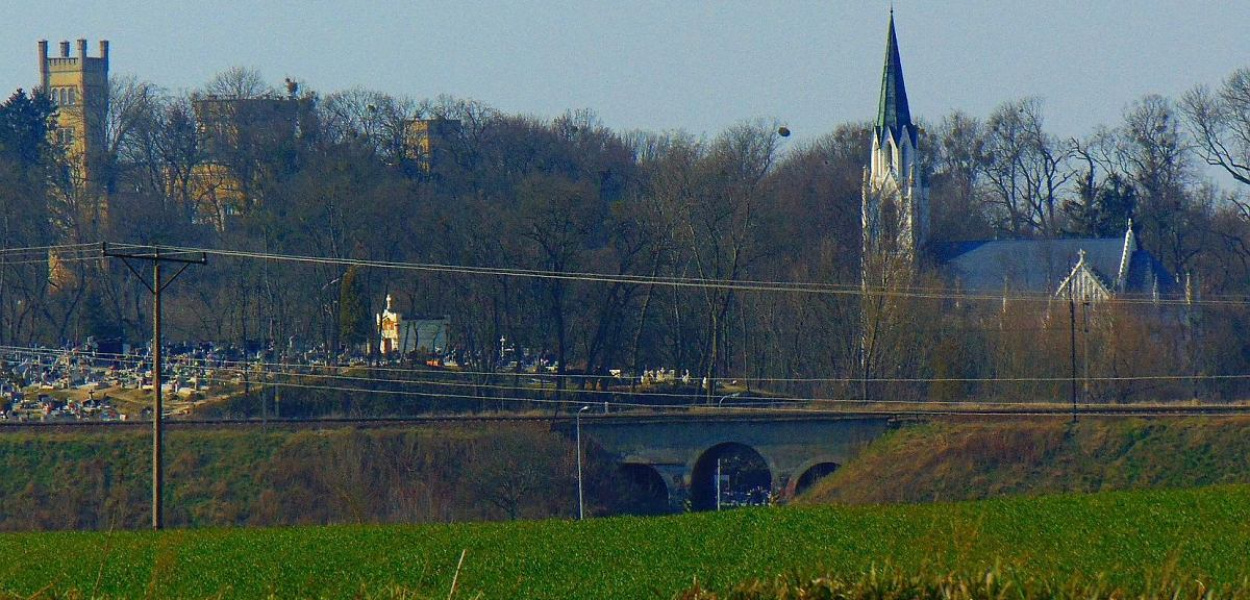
{"x":429,"y":141}
{"x":79,"y":86}
{"x":231,"y":132}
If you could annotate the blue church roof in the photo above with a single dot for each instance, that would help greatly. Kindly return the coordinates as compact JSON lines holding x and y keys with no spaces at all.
{"x":1040,"y":266}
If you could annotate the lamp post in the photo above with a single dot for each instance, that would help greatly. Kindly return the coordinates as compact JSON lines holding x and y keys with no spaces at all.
{"x":577,"y":420}
{"x":718,"y":467}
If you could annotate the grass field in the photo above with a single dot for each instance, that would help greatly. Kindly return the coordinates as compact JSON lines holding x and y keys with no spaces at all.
{"x":1126,"y":540}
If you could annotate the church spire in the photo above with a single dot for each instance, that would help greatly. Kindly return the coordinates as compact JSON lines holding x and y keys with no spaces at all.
{"x":895,"y":206}
{"x":893,"y":115}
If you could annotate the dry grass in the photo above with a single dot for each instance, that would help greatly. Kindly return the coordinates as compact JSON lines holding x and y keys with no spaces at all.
{"x":966,"y":461}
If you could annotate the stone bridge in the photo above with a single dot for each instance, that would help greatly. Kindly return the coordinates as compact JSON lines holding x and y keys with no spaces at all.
{"x":681,"y":451}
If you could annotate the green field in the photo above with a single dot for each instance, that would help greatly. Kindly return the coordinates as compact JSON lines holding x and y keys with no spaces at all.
{"x":1126,"y":540}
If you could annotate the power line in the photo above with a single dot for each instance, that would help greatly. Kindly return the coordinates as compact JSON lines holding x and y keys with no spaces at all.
{"x":741,"y":402}
{"x":52,"y":248}
{"x":744,"y":285}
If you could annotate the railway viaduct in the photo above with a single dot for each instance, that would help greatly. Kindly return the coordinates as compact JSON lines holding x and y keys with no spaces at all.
{"x":681,"y":451}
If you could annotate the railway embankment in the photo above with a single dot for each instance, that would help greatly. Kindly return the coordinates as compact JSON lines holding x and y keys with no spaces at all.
{"x":952,"y":460}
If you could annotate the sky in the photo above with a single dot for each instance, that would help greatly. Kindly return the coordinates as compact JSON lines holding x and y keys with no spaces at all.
{"x":699,"y":66}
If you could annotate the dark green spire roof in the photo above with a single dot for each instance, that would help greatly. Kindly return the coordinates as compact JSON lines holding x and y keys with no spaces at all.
{"x":892,"y":111}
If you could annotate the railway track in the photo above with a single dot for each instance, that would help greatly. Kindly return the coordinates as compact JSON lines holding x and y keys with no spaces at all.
{"x":910,"y":414}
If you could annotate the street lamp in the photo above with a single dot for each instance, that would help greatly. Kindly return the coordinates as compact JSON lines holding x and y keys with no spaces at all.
{"x":718,"y":480}
{"x":577,"y":420}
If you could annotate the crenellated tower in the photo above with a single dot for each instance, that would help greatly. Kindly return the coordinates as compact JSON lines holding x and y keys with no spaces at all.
{"x":895,"y":200}
{"x":79,"y":86}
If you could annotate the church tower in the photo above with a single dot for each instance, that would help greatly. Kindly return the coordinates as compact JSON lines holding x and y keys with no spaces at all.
{"x":895,"y":222}
{"x":895,"y":201}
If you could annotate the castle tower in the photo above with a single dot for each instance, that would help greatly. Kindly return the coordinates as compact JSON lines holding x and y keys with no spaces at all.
{"x":79,"y":86}
{"x":429,"y":142}
{"x":895,"y":202}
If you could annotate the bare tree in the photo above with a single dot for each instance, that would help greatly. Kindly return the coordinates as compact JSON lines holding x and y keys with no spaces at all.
{"x":1026,"y":170}
{"x":721,"y":213}
{"x":1154,"y":153}
{"x":372,"y":119}
{"x":1220,"y":122}
{"x":958,"y":160}
{"x":238,"y":83}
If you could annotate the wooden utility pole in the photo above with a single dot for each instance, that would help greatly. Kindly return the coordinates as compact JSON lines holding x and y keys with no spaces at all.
{"x":153,"y":254}
{"x":1072,"y":345}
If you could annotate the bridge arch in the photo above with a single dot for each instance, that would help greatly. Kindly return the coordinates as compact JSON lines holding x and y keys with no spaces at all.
{"x":809,"y":473}
{"x":649,"y":492}
{"x":752,"y":470}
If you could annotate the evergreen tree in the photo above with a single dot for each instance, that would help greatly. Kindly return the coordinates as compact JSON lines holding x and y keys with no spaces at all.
{"x":1101,"y":211}
{"x":354,"y":326}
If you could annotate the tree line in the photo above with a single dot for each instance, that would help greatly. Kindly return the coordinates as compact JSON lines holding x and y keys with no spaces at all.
{"x":345,"y":177}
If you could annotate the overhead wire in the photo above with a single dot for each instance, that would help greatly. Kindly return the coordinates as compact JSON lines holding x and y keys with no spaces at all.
{"x":4,"y":251}
{"x":746,"y":285}
{"x":916,"y":292}
{"x":269,"y":378}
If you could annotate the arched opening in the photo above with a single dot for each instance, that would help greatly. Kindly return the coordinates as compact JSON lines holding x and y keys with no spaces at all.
{"x":645,"y":492}
{"x":744,"y":478}
{"x":809,"y":477}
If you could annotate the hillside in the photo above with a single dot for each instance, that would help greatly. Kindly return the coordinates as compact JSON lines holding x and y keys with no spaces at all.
{"x":961,"y":461}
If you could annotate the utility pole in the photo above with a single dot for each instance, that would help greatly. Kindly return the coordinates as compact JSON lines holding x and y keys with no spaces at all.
{"x":153,"y":254}
{"x":577,"y":420}
{"x":1072,"y":329}
{"x":1085,"y":393}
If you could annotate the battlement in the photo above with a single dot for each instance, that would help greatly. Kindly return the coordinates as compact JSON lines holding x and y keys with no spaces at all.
{"x":65,"y":63}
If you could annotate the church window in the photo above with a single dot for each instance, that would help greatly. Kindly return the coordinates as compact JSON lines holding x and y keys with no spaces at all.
{"x":889,"y":225}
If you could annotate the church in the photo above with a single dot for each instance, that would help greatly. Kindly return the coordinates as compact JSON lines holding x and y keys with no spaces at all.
{"x":895,"y":218}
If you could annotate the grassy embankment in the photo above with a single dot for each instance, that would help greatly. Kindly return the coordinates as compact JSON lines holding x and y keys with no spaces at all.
{"x":230,"y":478}
{"x":1134,"y":542}
{"x":950,"y":461}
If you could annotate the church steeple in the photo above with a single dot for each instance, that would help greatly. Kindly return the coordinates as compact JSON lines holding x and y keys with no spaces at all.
{"x":893,"y":115}
{"x":895,"y":206}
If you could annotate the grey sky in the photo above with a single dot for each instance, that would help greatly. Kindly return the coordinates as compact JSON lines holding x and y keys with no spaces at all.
{"x":699,"y":66}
